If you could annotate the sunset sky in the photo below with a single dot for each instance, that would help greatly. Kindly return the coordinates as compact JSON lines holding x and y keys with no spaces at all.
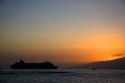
{"x":65,"y":32}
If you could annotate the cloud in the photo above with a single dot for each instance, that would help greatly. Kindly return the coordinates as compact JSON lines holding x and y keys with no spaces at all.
{"x":119,"y":55}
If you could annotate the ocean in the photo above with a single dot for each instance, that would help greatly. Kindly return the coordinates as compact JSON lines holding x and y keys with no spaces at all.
{"x":62,"y":76}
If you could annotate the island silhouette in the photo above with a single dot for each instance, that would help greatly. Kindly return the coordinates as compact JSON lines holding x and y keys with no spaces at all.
{"x":110,"y":64}
{"x":44,"y":65}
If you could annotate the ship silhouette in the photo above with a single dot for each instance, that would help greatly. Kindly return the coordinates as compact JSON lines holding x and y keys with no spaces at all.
{"x":44,"y":65}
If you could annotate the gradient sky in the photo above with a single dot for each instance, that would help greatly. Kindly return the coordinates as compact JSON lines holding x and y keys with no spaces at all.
{"x":66,"y":32}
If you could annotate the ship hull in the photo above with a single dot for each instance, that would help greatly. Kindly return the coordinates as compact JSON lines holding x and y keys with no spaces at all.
{"x":22,"y":65}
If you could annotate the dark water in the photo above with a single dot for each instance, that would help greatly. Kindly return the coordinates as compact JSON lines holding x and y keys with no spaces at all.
{"x":62,"y":76}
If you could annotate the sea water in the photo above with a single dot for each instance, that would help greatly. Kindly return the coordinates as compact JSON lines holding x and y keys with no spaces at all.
{"x":62,"y":76}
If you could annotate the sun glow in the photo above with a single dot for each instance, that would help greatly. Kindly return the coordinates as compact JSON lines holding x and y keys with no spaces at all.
{"x":102,"y":46}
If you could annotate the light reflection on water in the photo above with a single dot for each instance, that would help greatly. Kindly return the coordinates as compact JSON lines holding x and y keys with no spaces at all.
{"x":62,"y":76}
